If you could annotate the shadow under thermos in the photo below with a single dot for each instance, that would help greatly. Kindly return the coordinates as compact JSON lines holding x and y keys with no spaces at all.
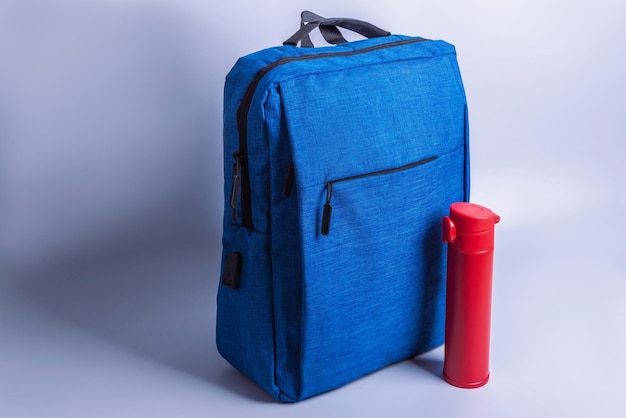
{"x":469,"y":232}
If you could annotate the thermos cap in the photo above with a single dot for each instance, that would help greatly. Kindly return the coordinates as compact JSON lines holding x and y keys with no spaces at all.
{"x":472,"y":218}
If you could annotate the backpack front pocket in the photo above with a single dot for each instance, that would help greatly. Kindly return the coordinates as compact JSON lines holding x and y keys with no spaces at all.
{"x":330,"y":186}
{"x":373,"y":285}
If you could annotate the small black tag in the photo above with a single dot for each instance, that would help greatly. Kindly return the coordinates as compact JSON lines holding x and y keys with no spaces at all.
{"x":231,"y":276}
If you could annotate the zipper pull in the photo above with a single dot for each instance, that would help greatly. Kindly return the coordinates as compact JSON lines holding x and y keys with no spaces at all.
{"x":328,"y":209}
{"x":289,"y":180}
{"x":234,"y":191}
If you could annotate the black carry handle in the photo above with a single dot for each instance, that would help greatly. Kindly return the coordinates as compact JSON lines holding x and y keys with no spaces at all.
{"x":330,"y":33}
{"x":328,"y":28}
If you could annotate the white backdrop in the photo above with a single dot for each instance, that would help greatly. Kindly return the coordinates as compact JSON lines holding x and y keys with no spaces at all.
{"x":111,"y":197}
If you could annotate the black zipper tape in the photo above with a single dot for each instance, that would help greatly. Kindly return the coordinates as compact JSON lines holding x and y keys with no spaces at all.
{"x":241,"y":156}
{"x":326,"y":214}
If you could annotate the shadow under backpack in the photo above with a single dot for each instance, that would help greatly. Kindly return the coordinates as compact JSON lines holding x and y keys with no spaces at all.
{"x":340,"y":163}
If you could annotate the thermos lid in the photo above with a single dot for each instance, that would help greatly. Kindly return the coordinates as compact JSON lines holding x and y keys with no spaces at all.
{"x":471,"y":218}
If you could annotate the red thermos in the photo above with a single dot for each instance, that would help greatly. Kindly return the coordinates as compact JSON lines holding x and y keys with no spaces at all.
{"x":469,"y":232}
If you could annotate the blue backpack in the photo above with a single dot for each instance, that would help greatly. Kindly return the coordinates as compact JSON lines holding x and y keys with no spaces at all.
{"x":340,"y":163}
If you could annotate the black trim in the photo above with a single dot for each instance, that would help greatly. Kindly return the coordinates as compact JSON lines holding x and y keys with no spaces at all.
{"x":244,"y":108}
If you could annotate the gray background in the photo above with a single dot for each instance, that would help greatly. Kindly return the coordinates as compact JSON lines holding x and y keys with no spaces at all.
{"x":111,"y":197}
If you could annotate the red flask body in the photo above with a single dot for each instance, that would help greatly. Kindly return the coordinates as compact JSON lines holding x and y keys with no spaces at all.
{"x":469,"y":232}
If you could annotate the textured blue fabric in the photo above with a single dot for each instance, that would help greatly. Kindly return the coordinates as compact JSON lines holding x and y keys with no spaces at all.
{"x":315,"y":311}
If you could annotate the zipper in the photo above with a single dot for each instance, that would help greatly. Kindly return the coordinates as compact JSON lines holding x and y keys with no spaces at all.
{"x":241,"y":174}
{"x":328,"y":208}
{"x":234,"y":191}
